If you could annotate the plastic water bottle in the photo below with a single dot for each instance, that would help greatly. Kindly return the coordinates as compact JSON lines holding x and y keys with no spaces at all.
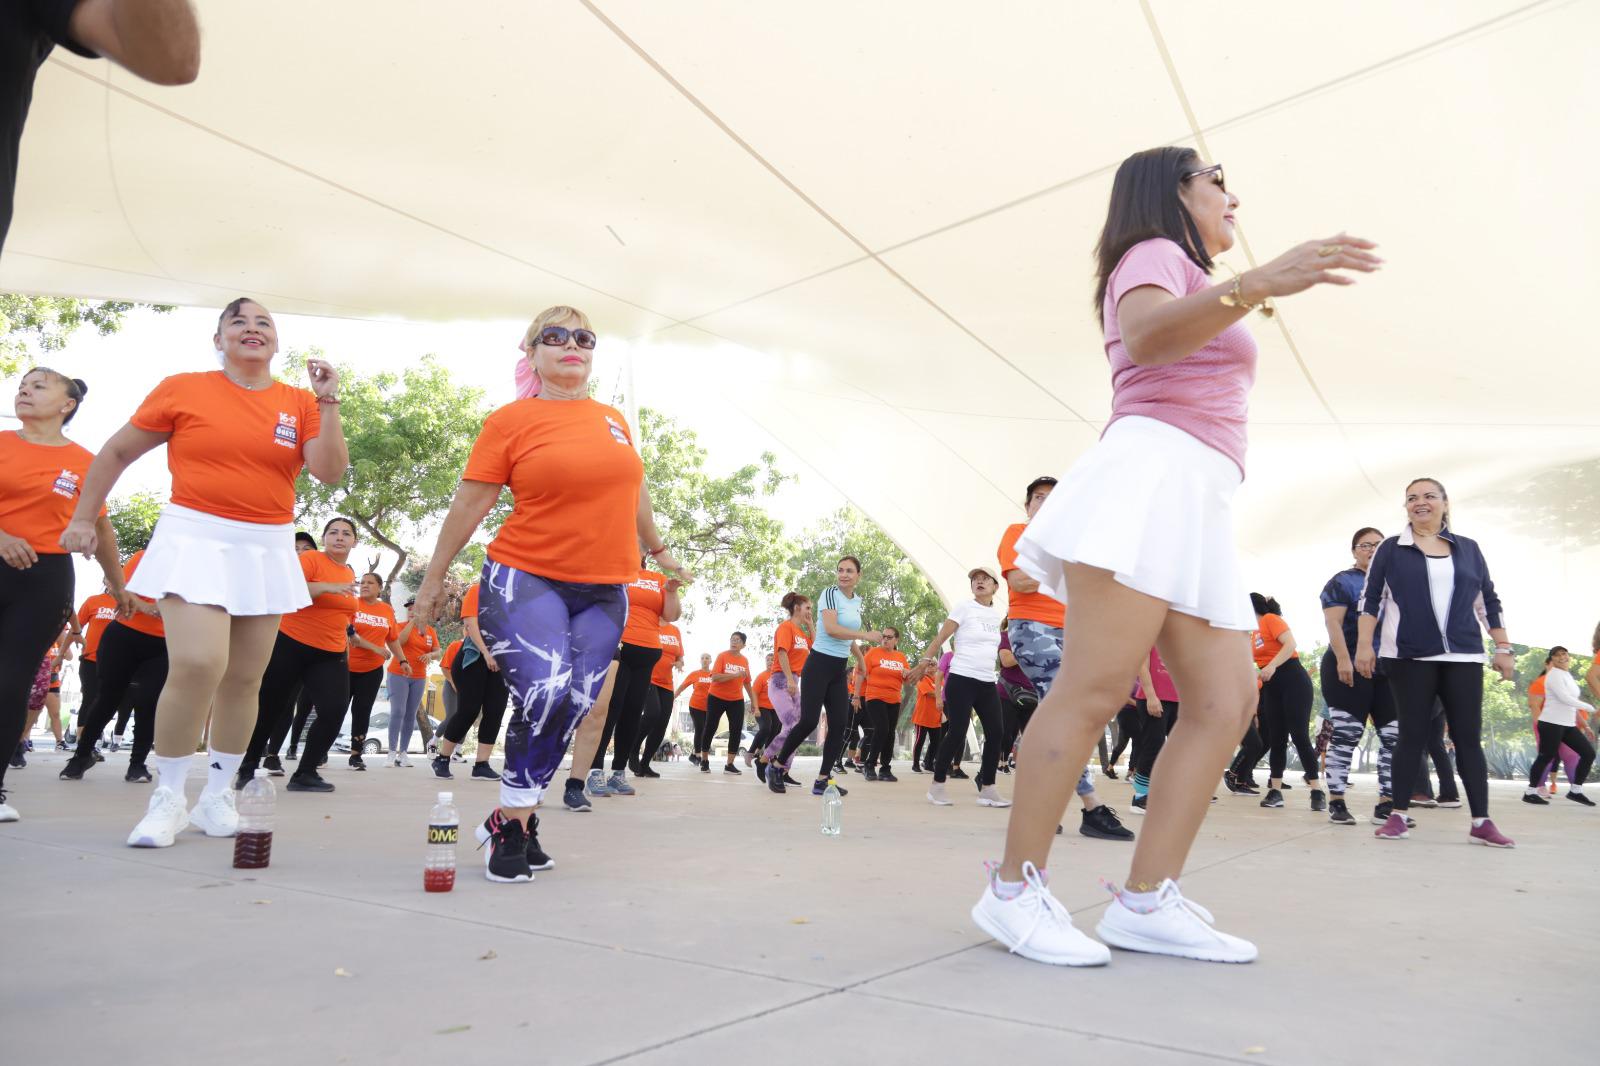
{"x":444,"y":826}
{"x":832,"y":810}
{"x":252,"y":844}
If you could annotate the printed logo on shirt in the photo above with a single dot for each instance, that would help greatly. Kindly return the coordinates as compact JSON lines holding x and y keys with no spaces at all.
{"x":892,"y":664}
{"x":617,"y":432}
{"x":287,"y":433}
{"x":649,"y":584}
{"x":670,"y":641}
{"x":702,"y":681}
{"x":362,"y":618}
{"x":105,"y":614}
{"x":66,"y":484}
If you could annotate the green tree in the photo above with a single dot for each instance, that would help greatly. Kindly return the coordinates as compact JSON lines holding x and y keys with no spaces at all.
{"x":39,"y":324}
{"x":717,"y":526}
{"x":134,"y":518}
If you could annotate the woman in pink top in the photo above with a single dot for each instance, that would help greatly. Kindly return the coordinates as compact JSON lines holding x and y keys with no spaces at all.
{"x":1138,"y":539}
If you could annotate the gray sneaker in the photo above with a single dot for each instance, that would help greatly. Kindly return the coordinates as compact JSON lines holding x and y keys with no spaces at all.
{"x":597,"y":784}
{"x":618,"y":784}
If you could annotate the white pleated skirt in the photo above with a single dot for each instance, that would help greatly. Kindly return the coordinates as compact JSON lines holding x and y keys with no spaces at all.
{"x":243,"y":567}
{"x":1154,"y":506}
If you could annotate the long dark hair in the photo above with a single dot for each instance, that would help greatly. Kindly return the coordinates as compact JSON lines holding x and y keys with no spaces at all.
{"x":1145,"y":204}
{"x":1264,"y":604}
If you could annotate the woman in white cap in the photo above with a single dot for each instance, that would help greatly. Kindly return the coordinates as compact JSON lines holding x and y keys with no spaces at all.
{"x":970,"y":686}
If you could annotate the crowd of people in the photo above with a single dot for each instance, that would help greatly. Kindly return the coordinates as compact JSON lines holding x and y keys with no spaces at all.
{"x":230,"y":630}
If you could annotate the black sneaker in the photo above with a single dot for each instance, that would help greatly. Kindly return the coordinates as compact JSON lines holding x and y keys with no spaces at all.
{"x":958,"y":773}
{"x":441,"y":766}
{"x":484,"y":772}
{"x":137,"y":774}
{"x":61,"y":745}
{"x":871,"y":774}
{"x":1319,"y":800}
{"x":537,"y":859}
{"x":1004,"y":768}
{"x":820,"y":785}
{"x":761,"y":772}
{"x":18,"y":759}
{"x":729,"y":768}
{"x":1102,"y":823}
{"x":1579,"y":797}
{"x":776,"y":779}
{"x":506,"y":859}
{"x":1111,"y":772}
{"x":916,"y":768}
{"x":1339,"y":814}
{"x":789,"y":780}
{"x":292,"y":756}
{"x":1273,"y":798}
{"x":840,"y":771}
{"x":849,"y":764}
{"x":705,"y":765}
{"x":1527,"y":797}
{"x":643,"y":770}
{"x":273,"y":766}
{"x":1236,"y":787}
{"x":573,"y":799}
{"x":74,"y":769}
{"x":308,"y":781}
{"x":885,"y":775}
{"x":1139,"y":803}
{"x":99,"y":756}
{"x":1380,"y":815}
{"x":356,"y":761}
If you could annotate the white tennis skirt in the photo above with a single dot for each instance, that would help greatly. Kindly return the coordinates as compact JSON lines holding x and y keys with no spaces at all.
{"x":243,"y":567}
{"x":1154,"y":506}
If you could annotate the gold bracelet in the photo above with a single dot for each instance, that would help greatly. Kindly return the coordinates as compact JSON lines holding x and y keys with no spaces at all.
{"x":1234,"y":297}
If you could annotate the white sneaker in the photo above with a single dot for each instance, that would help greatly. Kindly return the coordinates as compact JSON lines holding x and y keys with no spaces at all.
{"x":1177,"y":926}
{"x":8,"y":813}
{"x":401,"y":759}
{"x":1035,"y":925}
{"x":162,"y":822}
{"x":936,"y":795}
{"x":989,"y":796}
{"x":215,"y":814}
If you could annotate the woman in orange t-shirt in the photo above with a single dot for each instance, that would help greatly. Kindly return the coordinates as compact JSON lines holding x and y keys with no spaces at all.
{"x":130,"y":659}
{"x":221,"y":562}
{"x":792,"y":645}
{"x":553,"y":592}
{"x":658,"y":707}
{"x":97,"y":612}
{"x":1284,"y":707}
{"x":312,"y":655}
{"x":374,"y":637}
{"x":480,"y":690}
{"x":767,"y":724}
{"x":928,"y":717}
{"x":887,"y":672}
{"x":700,"y":682}
{"x":730,"y":682}
{"x":41,"y":472}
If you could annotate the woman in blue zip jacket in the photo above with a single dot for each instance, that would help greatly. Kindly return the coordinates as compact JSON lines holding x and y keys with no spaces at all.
{"x":1433,"y":591}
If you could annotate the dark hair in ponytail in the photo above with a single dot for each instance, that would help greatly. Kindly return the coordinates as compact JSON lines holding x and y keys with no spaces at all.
{"x":1264,"y":604}
{"x":793,"y":600}
{"x":76,"y":388}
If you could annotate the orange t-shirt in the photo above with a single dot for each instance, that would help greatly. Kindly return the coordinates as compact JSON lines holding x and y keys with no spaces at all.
{"x":1265,"y":639}
{"x":886,"y":675}
{"x":97,"y":612}
{"x":323,"y":623}
{"x":148,"y":624}
{"x":730,"y":662}
{"x":1536,"y":689}
{"x":233,"y":452}
{"x":700,"y":682}
{"x":762,"y":699}
{"x":791,"y":640}
{"x":421,"y":642}
{"x":671,"y":651}
{"x":449,"y":658}
{"x":1027,"y":606}
{"x":574,"y":480}
{"x":469,"y":602}
{"x":374,"y":622}
{"x":646,"y":598}
{"x":926,"y":713}
{"x":39,"y":487}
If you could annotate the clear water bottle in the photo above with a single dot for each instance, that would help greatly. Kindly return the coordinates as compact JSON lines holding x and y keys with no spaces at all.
{"x":252,"y":844}
{"x":444,"y":826}
{"x":832,"y":810}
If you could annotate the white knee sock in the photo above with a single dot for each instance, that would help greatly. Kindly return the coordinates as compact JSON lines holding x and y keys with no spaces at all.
{"x":220,"y":772}
{"x":172,"y":773}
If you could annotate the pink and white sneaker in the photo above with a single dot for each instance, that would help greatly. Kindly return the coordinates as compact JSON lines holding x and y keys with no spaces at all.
{"x":1488,"y":835}
{"x":1393,"y":828}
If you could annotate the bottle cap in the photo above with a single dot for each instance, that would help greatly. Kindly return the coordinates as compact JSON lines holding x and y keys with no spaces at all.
{"x":447,"y":797}
{"x":259,"y":772}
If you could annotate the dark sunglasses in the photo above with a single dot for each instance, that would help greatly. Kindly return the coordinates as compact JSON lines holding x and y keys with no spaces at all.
{"x":557,"y":336}
{"x":1217,"y":181}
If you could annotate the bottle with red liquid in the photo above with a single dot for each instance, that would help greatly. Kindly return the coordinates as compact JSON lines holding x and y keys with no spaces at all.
{"x":252,"y":844}
{"x":444,"y":826}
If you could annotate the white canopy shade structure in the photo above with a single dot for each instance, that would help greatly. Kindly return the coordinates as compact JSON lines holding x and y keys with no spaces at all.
{"x":868,"y":227}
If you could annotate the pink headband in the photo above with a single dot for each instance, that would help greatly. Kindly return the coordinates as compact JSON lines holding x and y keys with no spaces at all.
{"x":527,"y":379}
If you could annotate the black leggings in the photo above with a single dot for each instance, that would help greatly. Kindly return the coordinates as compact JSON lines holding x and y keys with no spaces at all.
{"x":822,"y":685}
{"x":1129,"y":727}
{"x":1439,"y":752}
{"x":1285,"y":711}
{"x":653,"y":726}
{"x":1551,"y":737}
{"x":928,"y":734}
{"x":1251,"y":748}
{"x":962,"y":696}
{"x":1459,"y":686}
{"x":127,"y":662}
{"x":324,"y":677}
{"x":363,"y":692}
{"x":883,"y":716}
{"x":1153,"y":730}
{"x":635,"y":664}
{"x":88,"y":685}
{"x":34,"y":606}
{"x":479,"y":690}
{"x":290,"y":728}
{"x":767,"y":726}
{"x":716,"y":707}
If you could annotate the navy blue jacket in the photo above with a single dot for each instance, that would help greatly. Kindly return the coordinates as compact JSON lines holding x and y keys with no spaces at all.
{"x":1399,"y":593}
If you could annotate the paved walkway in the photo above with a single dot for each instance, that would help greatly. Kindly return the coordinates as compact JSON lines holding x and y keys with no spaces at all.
{"x":707,"y":921}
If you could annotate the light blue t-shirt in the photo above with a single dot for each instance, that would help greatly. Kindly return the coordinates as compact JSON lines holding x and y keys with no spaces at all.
{"x":849,"y":616}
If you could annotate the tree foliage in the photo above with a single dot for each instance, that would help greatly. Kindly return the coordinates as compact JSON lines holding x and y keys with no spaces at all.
{"x":33,"y":325}
{"x":134,"y":518}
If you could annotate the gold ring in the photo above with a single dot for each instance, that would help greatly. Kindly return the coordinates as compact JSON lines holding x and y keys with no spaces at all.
{"x":1330,"y":249}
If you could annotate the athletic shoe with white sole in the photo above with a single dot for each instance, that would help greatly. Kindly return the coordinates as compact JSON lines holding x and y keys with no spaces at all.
{"x":596,"y":784}
{"x":165,"y":818}
{"x":936,"y":795}
{"x":505,"y":860}
{"x":989,"y":796}
{"x":1174,"y":926}
{"x":215,"y":814}
{"x":618,"y":785}
{"x":1034,"y":924}
{"x":8,"y":813}
{"x":573,"y":799}
{"x":401,"y":759}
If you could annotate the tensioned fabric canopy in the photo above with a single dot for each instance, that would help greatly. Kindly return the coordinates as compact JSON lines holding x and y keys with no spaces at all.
{"x":867,"y":227}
